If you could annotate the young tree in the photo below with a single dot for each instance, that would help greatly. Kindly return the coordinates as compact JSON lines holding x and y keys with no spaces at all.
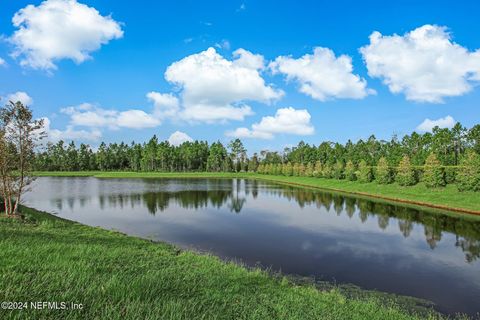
{"x":350,"y":171}
{"x":261,"y":168}
{"x":338,"y":170}
{"x":433,"y":175}
{"x":275,"y":168}
{"x":287,"y":170}
{"x":318,"y":169}
{"x":365,"y":172}
{"x":296,"y":169}
{"x":405,"y":174}
{"x":468,"y":177}
{"x":327,"y":171}
{"x":7,"y":167}
{"x":20,"y":135}
{"x":270,"y":169}
{"x":301,"y":170}
{"x":384,"y":174}
{"x":309,"y":170}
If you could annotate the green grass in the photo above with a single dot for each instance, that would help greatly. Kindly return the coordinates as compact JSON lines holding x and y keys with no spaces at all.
{"x":448,"y":198}
{"x":44,"y":258}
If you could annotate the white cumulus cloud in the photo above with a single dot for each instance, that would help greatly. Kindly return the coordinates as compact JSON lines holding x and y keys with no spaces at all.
{"x":166,"y":104}
{"x":21,"y":96}
{"x":60,"y":29}
{"x":214,"y":89}
{"x":424,"y":64}
{"x":286,"y":120}
{"x":91,"y":116}
{"x":2,"y":62}
{"x":178,"y":137}
{"x":246,"y":59}
{"x":323,"y":76}
{"x":70,"y":133}
{"x":427,"y":125}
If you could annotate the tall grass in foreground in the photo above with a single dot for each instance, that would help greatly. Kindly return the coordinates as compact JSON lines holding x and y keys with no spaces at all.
{"x":43,"y":258}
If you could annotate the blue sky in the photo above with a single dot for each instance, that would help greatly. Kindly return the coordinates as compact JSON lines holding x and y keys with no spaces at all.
{"x":132,"y":45}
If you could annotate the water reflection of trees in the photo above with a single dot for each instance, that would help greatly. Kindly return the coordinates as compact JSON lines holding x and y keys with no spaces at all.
{"x":157,"y":196}
{"x":160,"y":201}
{"x":234,"y":194}
{"x":467,"y":231}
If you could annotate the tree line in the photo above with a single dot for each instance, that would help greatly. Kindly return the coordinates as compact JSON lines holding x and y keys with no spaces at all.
{"x":438,"y":158}
{"x":441,"y":157}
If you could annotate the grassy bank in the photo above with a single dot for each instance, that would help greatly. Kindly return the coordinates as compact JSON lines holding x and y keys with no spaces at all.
{"x":448,"y":198}
{"x":114,"y":276}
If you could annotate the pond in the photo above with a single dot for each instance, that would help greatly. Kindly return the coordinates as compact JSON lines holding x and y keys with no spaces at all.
{"x":294,"y":230}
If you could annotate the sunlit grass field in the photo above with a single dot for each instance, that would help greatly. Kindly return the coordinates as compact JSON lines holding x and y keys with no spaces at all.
{"x":114,"y":276}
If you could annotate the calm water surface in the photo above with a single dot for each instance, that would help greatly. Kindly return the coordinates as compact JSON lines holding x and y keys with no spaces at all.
{"x":293,"y":230}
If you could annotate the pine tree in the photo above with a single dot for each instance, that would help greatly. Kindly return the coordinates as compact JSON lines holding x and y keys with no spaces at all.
{"x":350,"y":171}
{"x":288,"y":170}
{"x":433,"y":175}
{"x":301,"y":170}
{"x":365,"y":172}
{"x":468,"y":177}
{"x":338,"y":170}
{"x":227,"y":164}
{"x":318,"y":169}
{"x":269,"y":168}
{"x":296,"y":170}
{"x":327,"y":171}
{"x":384,"y":174}
{"x":309,"y":170}
{"x":261,"y":168}
{"x":277,"y":169}
{"x":406,"y":174}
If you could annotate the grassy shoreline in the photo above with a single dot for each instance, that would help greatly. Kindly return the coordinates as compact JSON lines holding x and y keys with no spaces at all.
{"x":44,"y":258}
{"x":448,"y":198}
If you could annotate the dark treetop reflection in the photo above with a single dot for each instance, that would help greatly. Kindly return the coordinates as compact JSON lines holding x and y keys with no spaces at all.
{"x":301,"y":231}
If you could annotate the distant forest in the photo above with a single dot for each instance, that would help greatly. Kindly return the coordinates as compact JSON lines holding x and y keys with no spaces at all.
{"x":437,"y":158}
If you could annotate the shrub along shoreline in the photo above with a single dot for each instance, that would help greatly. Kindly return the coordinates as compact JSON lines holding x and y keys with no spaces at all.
{"x":443,"y":198}
{"x":117,"y":276}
